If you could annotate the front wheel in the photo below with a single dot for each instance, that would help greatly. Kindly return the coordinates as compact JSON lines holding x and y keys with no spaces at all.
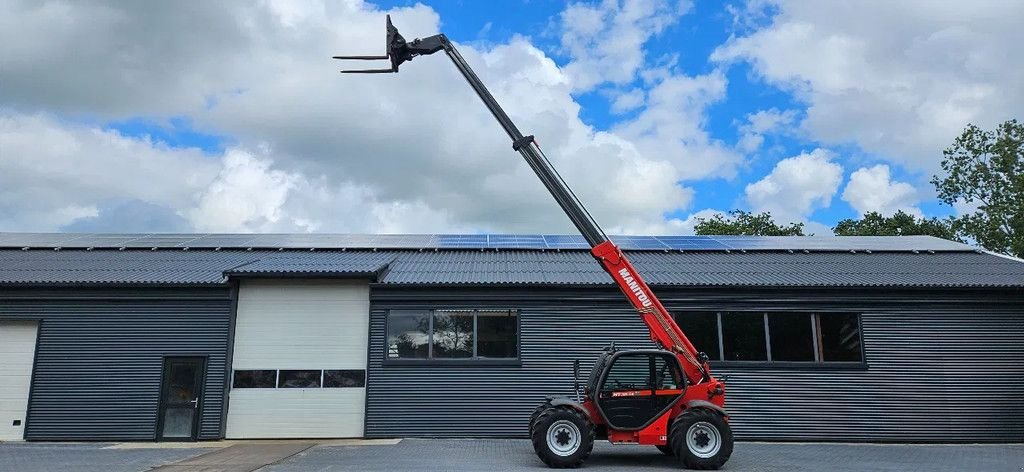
{"x":701,"y":439}
{"x":562,"y":437}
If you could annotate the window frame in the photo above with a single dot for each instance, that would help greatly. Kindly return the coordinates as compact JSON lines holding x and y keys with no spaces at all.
{"x":234,"y":378}
{"x":323,"y":378}
{"x":277,"y":378}
{"x":817,"y":364}
{"x":430,"y":360}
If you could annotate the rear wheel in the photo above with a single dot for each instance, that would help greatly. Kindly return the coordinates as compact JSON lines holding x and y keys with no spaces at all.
{"x":535,"y":414}
{"x":562,"y":437}
{"x":666,"y":449}
{"x":701,"y":439}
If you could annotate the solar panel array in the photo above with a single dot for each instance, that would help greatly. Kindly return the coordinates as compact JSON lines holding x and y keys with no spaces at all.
{"x":473,"y":241}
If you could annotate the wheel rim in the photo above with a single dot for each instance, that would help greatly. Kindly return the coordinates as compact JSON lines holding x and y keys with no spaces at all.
{"x":703,"y":439}
{"x":564,"y":438}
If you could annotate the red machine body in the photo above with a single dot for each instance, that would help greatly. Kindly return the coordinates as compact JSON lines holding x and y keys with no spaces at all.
{"x":701,"y":386}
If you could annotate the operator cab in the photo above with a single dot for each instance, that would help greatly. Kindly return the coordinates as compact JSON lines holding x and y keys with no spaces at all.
{"x":633,"y":388}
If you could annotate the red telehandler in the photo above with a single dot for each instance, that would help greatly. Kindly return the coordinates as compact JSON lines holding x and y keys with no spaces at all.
{"x":660,"y":397}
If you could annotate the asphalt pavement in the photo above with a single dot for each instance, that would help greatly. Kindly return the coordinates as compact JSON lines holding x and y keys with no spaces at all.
{"x":486,"y":455}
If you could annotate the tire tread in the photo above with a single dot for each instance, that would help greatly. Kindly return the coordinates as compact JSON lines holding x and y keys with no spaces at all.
{"x":538,"y":436}
{"x":677,"y":439}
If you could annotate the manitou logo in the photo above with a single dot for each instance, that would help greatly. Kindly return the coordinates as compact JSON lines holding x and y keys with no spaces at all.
{"x":635,"y":287}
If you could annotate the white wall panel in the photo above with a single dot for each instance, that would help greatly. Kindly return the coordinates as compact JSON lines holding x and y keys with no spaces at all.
{"x":17,"y":351}
{"x":296,"y":413}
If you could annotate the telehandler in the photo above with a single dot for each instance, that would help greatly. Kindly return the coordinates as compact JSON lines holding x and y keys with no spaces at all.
{"x":663,"y":397}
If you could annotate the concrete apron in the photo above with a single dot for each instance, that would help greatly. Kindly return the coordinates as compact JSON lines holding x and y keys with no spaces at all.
{"x":232,"y":442}
{"x":245,"y":457}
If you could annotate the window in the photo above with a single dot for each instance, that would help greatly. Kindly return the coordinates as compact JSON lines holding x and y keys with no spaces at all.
{"x":743,"y":337}
{"x":840,"y":337}
{"x":791,"y":336}
{"x":344,"y":378}
{"x":298,"y":379}
{"x":497,"y":334}
{"x":702,"y":330}
{"x":254,"y":379}
{"x":630,"y":372}
{"x":667,"y":375}
{"x":452,"y":334}
{"x":408,"y":335}
{"x":775,"y":337}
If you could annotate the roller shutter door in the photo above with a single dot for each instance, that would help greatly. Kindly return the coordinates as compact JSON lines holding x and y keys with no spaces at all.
{"x":17,"y":351}
{"x":307,"y":326}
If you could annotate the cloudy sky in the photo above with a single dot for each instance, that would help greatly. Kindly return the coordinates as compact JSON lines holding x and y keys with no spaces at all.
{"x":230,"y":116}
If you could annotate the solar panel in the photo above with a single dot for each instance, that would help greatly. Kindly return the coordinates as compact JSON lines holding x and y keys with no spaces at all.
{"x":462,"y":240}
{"x":565,"y":241}
{"x":476,"y":241}
{"x":530,"y":241}
{"x":638,"y":242}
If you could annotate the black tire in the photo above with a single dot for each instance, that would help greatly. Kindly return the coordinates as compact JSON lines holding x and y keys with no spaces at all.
{"x":535,"y":414}
{"x":666,"y":449}
{"x":711,"y":444}
{"x":562,"y":424}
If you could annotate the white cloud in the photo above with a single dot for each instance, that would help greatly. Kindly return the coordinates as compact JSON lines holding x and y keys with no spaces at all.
{"x":605,"y":41}
{"x":872,"y":189}
{"x":250,"y":195}
{"x":56,"y":172}
{"x":899,"y":79}
{"x":761,"y":123}
{"x":247,"y":195}
{"x":687,"y":226}
{"x":314,"y":150}
{"x":814,"y":228}
{"x":796,"y":186}
{"x":627,"y":101}
{"x":672,"y":126}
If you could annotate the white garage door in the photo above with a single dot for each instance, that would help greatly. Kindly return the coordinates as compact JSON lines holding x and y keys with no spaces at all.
{"x":17,"y":351}
{"x":299,"y":360}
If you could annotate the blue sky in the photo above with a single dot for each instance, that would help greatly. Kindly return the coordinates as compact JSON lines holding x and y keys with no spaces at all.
{"x":814,"y":113}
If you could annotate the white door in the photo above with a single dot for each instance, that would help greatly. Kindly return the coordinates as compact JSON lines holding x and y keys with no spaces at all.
{"x":17,"y":351}
{"x":299,"y":327}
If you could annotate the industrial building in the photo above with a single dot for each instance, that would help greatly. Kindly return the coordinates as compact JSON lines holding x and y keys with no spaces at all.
{"x":209,"y":336}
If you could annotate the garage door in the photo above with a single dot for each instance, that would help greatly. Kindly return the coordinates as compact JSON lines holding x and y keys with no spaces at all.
{"x":17,"y":351}
{"x":299,"y":360}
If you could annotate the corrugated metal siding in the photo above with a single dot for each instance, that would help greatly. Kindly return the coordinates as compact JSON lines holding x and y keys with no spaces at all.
{"x":489,"y":400}
{"x":951,"y":376}
{"x":942,"y":367}
{"x":100,"y":357}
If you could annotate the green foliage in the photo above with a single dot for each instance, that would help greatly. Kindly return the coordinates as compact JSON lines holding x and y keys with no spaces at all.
{"x":985,"y":170}
{"x":743,"y":223}
{"x":900,"y":224}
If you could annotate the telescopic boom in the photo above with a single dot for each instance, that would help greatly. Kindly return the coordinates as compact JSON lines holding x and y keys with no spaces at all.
{"x":663,"y":328}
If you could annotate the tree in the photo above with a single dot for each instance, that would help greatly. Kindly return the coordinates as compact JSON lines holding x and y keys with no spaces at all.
{"x":899,"y":224}
{"x":985,"y":171}
{"x":743,"y":223}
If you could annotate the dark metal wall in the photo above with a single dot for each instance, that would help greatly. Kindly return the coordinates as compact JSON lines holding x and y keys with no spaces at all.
{"x":100,"y":353}
{"x":941,"y":366}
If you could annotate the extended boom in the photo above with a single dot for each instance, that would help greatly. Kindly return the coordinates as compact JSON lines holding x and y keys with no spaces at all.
{"x":699,"y":393}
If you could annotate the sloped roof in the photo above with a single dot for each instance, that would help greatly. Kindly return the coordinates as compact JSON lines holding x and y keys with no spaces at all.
{"x":507,"y":267}
{"x":816,"y":269}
